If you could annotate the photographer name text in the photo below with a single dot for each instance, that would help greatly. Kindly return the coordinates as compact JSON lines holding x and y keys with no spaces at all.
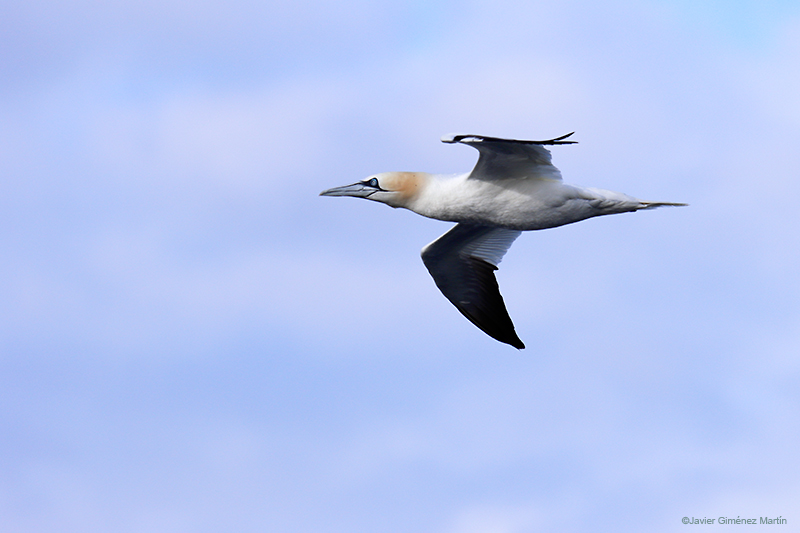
{"x":738,"y":520}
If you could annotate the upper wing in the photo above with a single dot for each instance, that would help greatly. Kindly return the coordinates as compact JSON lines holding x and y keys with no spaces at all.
{"x":462,"y":263}
{"x":509,"y":158}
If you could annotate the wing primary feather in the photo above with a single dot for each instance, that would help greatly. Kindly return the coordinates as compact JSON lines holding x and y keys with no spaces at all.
{"x":457,"y":138}
{"x":501,"y":159}
{"x":462,"y":263}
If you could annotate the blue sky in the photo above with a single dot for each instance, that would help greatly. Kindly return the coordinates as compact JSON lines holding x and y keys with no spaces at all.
{"x":193,"y":341}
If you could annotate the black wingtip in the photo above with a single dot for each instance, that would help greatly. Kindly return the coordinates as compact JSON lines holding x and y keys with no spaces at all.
{"x":492,"y":318}
{"x":502,"y":334}
{"x":457,"y":138}
{"x":560,"y":140}
{"x":510,"y":338}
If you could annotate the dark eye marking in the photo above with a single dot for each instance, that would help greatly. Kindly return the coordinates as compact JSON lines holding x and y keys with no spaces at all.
{"x":373,"y":183}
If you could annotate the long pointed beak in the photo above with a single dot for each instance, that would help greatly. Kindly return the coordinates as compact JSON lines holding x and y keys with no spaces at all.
{"x":359,"y":190}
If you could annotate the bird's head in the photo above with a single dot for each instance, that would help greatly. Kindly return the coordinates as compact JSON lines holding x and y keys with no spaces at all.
{"x":396,"y":189}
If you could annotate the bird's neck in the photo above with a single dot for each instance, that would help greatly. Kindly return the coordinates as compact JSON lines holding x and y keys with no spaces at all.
{"x":441,"y":196}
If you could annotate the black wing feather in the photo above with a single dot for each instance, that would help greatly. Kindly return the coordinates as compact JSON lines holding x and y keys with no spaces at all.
{"x":469,"y":282}
{"x":511,"y":158}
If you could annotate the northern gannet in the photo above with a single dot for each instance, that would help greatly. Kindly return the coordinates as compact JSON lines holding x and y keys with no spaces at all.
{"x":514,"y":187}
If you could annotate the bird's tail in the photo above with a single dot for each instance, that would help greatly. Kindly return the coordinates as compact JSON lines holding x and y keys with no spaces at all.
{"x":653,"y":205}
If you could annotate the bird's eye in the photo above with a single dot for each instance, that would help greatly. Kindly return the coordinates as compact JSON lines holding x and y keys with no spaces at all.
{"x":373,"y":183}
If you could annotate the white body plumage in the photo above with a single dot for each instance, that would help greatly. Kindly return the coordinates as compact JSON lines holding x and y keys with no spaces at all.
{"x":528,"y":204}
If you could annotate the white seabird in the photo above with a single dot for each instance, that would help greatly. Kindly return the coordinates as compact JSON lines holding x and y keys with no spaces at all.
{"x":514,"y":187}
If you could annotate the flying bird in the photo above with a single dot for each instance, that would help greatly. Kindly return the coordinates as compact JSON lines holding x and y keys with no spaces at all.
{"x":514,"y":187}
